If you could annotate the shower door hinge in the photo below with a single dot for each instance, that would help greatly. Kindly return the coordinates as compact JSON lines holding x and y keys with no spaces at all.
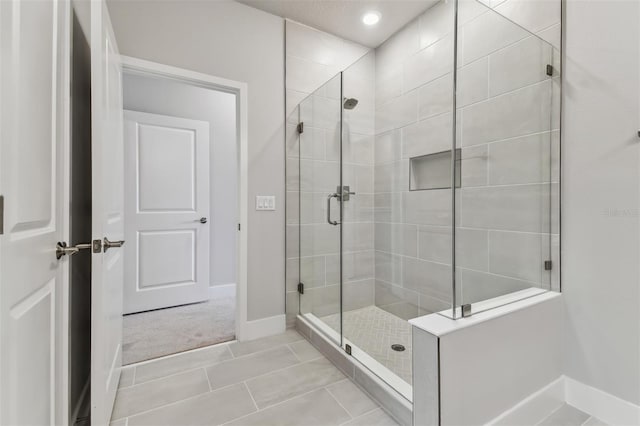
{"x":550,"y":70}
{"x":466,"y":310}
{"x":300,"y":127}
{"x":301,"y":288}
{"x":96,"y":246}
{"x":347,"y":349}
{"x":547,"y":265}
{"x":238,"y":227}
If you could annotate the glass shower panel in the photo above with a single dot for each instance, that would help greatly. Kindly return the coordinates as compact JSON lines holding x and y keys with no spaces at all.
{"x":503,"y":232}
{"x":319,"y":209}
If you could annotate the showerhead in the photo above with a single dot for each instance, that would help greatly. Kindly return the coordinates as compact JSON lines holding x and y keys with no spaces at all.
{"x":350,"y":103}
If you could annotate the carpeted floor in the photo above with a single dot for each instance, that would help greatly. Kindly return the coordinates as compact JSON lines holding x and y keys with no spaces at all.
{"x":167,"y":331}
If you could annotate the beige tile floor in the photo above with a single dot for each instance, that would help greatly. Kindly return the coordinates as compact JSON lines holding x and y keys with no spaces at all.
{"x":278,"y":380}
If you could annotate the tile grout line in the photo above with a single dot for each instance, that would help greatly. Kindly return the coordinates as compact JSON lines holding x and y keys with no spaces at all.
{"x":207,"y":365}
{"x":207,"y":376}
{"x":276,"y":404}
{"x":288,"y":345}
{"x":251,"y":396}
{"x":366,"y":414}
{"x":335,"y":398}
{"x":178,"y":402}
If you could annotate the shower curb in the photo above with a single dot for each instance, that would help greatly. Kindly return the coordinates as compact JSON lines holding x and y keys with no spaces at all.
{"x":389,"y":399}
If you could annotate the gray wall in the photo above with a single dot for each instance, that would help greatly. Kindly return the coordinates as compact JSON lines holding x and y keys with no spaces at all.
{"x":601,"y":183}
{"x":230,"y":40}
{"x":166,"y":97}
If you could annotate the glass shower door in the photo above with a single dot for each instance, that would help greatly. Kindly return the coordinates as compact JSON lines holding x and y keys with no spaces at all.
{"x":320,"y":211}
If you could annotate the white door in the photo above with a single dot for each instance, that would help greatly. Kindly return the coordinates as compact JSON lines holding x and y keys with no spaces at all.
{"x":167,"y":211}
{"x":107,"y":215}
{"x":34,"y":99}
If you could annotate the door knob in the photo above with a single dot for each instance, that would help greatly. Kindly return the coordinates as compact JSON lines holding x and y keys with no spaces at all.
{"x":112,"y":244}
{"x":62,"y":249}
{"x":203,"y":220}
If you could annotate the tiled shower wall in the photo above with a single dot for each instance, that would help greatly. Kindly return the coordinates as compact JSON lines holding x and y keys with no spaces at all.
{"x":505,"y":124}
{"x":397,"y":242}
{"x":312,"y":59}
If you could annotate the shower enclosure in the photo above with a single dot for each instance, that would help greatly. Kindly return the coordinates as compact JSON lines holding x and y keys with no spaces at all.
{"x":426,"y":181}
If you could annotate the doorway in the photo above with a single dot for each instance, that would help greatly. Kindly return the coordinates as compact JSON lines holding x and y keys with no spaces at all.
{"x":181,"y":215}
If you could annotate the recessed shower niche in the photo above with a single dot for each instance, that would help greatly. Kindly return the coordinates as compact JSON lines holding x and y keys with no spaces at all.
{"x":433,"y":171}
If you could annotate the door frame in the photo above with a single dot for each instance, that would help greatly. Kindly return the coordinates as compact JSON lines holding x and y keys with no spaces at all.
{"x":239,"y":89}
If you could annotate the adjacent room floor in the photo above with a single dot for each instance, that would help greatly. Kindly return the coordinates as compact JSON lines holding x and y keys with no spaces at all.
{"x":374,"y":330}
{"x":278,"y":380}
{"x":153,"y":334}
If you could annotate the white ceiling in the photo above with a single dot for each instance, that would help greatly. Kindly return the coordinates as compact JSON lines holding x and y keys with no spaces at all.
{"x":344,"y":17}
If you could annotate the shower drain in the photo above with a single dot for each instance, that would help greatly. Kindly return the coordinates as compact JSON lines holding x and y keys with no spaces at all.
{"x":397,"y":347}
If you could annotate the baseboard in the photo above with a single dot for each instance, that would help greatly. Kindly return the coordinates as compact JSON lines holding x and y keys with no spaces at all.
{"x":536,"y":407}
{"x":606,"y":407}
{"x":264,"y":327}
{"x":222,"y":290}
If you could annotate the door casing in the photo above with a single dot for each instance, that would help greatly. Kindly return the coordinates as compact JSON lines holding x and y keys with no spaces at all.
{"x":240,"y":89}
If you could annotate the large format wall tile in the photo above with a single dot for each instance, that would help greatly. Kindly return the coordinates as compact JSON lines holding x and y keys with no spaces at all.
{"x":520,"y":255}
{"x":519,"y":65}
{"x":521,"y":160}
{"x":436,"y":97}
{"x":428,"y":64}
{"x":516,"y":208}
{"x":518,"y":113}
{"x":486,"y":34}
{"x":428,"y":136}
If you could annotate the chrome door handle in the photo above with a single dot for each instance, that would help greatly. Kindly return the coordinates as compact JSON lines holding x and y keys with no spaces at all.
{"x":331,"y":222}
{"x":203,"y":220}
{"x":346,"y":192}
{"x":62,"y":249}
{"x":112,"y":244}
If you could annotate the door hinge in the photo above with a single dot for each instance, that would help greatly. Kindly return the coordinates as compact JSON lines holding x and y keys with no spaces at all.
{"x":300,"y":127}
{"x":347,"y":348}
{"x":1,"y":214}
{"x":97,"y":246}
{"x":547,"y":265}
{"x":550,"y":70}
{"x":238,"y":227}
{"x":301,"y":288}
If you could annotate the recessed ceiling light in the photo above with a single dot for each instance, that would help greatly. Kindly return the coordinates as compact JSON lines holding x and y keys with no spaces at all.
{"x":371,"y":18}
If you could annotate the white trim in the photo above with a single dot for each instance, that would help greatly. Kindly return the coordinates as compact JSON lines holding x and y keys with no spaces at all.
{"x":63,"y":367}
{"x":265,"y":327}
{"x":177,"y":354}
{"x":240,"y":89}
{"x":598,"y":403}
{"x":535,"y":408}
{"x":606,"y":407}
{"x":223,"y":290}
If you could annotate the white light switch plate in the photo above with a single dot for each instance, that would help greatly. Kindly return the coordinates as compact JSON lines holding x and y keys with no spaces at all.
{"x":265,"y":202}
